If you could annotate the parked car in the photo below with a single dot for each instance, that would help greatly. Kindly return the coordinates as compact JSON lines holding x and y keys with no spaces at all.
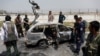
{"x":36,"y":35}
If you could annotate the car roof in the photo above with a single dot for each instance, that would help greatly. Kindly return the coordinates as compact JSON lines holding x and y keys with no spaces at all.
{"x":46,"y":23}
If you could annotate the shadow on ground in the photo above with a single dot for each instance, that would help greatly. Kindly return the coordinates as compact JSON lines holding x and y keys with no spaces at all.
{"x":24,"y":54}
{"x":3,"y":53}
{"x":29,"y":47}
{"x":72,"y":48}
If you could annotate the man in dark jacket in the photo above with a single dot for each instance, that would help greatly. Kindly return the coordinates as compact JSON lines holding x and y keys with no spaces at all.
{"x":79,"y":34}
{"x":61,"y":18}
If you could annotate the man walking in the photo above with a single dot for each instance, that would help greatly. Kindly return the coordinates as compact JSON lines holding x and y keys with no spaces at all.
{"x":10,"y":36}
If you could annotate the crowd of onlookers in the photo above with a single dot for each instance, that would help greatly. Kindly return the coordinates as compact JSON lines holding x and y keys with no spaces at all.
{"x":14,"y":30}
{"x":11,"y":31}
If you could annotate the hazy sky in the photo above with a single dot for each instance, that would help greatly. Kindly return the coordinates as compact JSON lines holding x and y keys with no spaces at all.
{"x":23,"y":5}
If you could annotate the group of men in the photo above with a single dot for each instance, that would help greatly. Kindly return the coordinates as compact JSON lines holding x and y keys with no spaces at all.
{"x":78,"y":33}
{"x":60,"y":19}
{"x":10,"y":35}
{"x":11,"y":32}
{"x":92,"y":47}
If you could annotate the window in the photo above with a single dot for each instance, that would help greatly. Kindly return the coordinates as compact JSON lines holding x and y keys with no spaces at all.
{"x":37,"y":29}
{"x":48,"y":28}
{"x":62,"y":28}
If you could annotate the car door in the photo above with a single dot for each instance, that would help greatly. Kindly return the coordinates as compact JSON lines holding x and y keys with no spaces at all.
{"x":36,"y":33}
{"x":64,"y":32}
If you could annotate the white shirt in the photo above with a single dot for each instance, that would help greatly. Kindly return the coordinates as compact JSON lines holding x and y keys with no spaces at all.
{"x":4,"y":31}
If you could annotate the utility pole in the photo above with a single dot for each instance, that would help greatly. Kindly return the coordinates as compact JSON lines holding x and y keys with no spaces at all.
{"x":79,"y":11}
{"x":70,"y":12}
{"x":88,"y":11}
{"x":97,"y":11}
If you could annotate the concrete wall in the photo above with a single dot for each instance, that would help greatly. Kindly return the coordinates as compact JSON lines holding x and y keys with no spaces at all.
{"x":69,"y":18}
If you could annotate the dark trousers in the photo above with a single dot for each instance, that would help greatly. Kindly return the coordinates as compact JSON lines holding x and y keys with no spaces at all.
{"x":78,"y":45}
{"x":61,"y":22}
{"x":55,"y":42}
{"x":78,"y":42}
{"x":10,"y":44}
{"x":26,"y":26}
{"x":83,"y":37}
{"x":85,"y":51}
{"x":73,"y":38}
{"x":98,"y":51}
{"x":19,"y":30}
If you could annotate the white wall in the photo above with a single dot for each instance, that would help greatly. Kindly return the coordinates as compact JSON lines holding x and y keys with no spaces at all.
{"x":44,"y":18}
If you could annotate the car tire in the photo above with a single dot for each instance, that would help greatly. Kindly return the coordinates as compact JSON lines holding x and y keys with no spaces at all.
{"x":43,"y":43}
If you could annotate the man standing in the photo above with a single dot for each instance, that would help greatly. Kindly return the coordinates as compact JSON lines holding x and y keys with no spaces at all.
{"x":26,"y":23}
{"x":10,"y":36}
{"x":92,"y":47}
{"x":73,"y":34}
{"x":50,"y":17}
{"x":84,"y":28}
{"x":35,"y":9}
{"x":61,"y":18}
{"x":79,"y":34}
{"x":18,"y":23}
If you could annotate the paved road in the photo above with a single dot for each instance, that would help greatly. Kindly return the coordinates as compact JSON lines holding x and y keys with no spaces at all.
{"x":63,"y":50}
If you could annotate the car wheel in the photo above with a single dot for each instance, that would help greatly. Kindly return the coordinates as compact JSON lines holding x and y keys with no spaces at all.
{"x":43,"y":43}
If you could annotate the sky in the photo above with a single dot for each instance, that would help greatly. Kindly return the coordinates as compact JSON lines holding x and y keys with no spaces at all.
{"x":25,"y":6}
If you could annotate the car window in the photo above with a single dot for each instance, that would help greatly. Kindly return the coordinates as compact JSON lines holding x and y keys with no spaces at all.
{"x":50,"y":30}
{"x":62,"y":28}
{"x":37,"y":29}
{"x":52,"y":26}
